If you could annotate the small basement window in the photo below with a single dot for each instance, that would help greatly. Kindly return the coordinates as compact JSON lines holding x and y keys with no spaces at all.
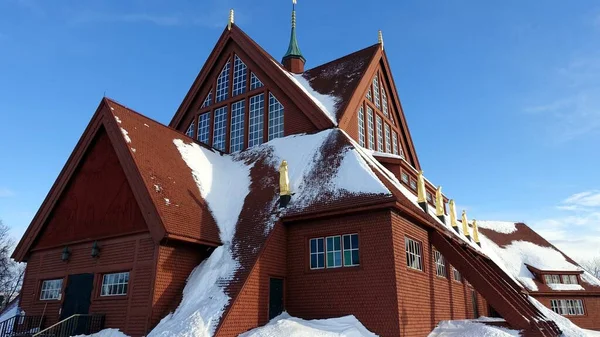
{"x":567,"y":307}
{"x":413,"y":254}
{"x":51,"y":290}
{"x":115,"y":284}
{"x":440,"y":264}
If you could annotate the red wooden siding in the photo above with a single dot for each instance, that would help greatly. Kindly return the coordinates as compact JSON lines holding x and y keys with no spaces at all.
{"x":133,"y":253}
{"x":97,"y":203}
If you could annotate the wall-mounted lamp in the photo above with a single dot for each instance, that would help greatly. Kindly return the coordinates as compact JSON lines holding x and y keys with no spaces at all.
{"x":95,"y":250}
{"x":66,"y":253}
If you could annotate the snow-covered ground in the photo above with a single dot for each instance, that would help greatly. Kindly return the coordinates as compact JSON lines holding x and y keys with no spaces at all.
{"x":106,"y":333}
{"x":285,"y":325}
{"x":470,"y":328}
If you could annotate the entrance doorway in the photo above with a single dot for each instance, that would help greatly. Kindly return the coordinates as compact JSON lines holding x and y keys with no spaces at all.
{"x":78,"y":295}
{"x":275,"y":297}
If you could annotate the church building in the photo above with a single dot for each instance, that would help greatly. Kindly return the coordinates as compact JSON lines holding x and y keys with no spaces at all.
{"x":276,"y":188}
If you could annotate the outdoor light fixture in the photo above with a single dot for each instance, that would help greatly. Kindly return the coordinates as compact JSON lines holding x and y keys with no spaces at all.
{"x":95,"y":250}
{"x":66,"y":253}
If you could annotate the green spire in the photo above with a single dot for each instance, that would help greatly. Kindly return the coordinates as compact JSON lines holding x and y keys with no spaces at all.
{"x":293,"y":49}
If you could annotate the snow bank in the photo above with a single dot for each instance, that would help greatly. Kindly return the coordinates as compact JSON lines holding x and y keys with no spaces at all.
{"x":564,"y":324}
{"x":106,"y":333}
{"x":561,"y":287}
{"x":469,"y":328}
{"x":224,"y":185}
{"x":503,"y":227}
{"x":285,"y":325}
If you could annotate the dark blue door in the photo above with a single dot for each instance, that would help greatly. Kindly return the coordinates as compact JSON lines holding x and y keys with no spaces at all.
{"x":78,"y":295}
{"x":275,"y":297}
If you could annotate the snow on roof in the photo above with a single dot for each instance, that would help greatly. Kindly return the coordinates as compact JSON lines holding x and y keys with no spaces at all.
{"x":505,"y":227}
{"x":564,"y":324}
{"x":126,"y":135}
{"x":565,"y":287}
{"x":471,"y":328}
{"x":288,"y":326}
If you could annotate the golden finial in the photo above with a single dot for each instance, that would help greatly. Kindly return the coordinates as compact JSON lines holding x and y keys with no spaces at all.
{"x":230,"y":23}
{"x":475,"y":232}
{"x":439,"y":202}
{"x":421,"y":188}
{"x":380,"y":38}
{"x":284,"y":179}
{"x":465,"y":223}
{"x":453,"y":215}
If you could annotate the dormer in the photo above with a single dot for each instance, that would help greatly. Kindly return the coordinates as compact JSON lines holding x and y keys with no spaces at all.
{"x":558,"y":280}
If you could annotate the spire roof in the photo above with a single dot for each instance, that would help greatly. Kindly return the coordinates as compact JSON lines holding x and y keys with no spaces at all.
{"x":293,"y":48}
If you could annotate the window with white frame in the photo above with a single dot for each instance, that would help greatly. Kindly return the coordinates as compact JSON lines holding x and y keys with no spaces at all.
{"x":203,"y":127}
{"x":394,"y":142}
{"x":376,"y":92}
{"x":255,"y":83}
{"x":384,"y":102}
{"x":237,"y":132}
{"x":361,"y":127}
{"x":334,"y":251}
{"x":317,"y":253}
{"x":558,"y":279}
{"x":388,"y":145}
{"x":369,"y":95}
{"x":429,"y":197}
{"x":370,"y":128}
{"x":413,"y":254}
{"x":440,"y":264}
{"x":207,"y":100}
{"x":413,"y":184}
{"x":275,"y":118}
{"x":51,"y":290}
{"x":240,"y":74}
{"x":404,"y":177}
{"x":256,"y":120}
{"x":190,"y":130}
{"x":568,"y":307}
{"x":456,"y":274}
{"x":115,"y":284}
{"x":569,"y":279}
{"x":379,"y":134}
{"x":223,"y":84}
{"x":220,"y":128}
{"x":350,"y":242}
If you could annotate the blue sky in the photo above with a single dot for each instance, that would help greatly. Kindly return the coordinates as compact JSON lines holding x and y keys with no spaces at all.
{"x":503,"y":99}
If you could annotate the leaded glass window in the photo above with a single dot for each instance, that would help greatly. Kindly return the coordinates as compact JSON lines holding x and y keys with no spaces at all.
{"x":379,"y":134}
{"x":275,"y":118}
{"x":237,"y":133}
{"x":384,"y":102}
{"x":370,"y":128}
{"x":394,"y":142}
{"x":240,"y":74}
{"x":413,"y":254}
{"x":334,"y":251}
{"x":115,"y":284}
{"x":440,"y":264}
{"x":361,"y":126}
{"x":376,"y":92}
{"x":317,"y":253}
{"x":256,"y":127}
{"x":388,"y":145}
{"x":207,"y":100}
{"x":255,"y":82}
{"x":203,"y":127}
{"x":190,"y":130}
{"x":223,"y":84}
{"x":220,"y":128}
{"x":369,"y":95}
{"x":351,"y":250}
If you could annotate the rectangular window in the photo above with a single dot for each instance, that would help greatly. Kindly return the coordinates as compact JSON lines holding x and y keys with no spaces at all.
{"x":456,"y":274}
{"x":370,"y":128}
{"x":51,"y":290}
{"x":256,"y":127}
{"x":388,"y":145}
{"x":567,"y":307}
{"x":394,"y":143}
{"x":413,"y":184}
{"x":361,"y":127}
{"x":376,"y":92}
{"x":240,"y":73}
{"x":207,"y":100}
{"x":569,"y":279}
{"x":255,"y":83}
{"x":379,"y":134}
{"x":203,"y":127}
{"x":237,"y":133}
{"x":190,"y":130}
{"x":440,"y":264}
{"x":334,"y":251}
{"x":220,"y":128}
{"x":404,"y":177}
{"x":429,"y":197}
{"x":317,"y":254}
{"x":223,"y":84}
{"x":369,"y":96}
{"x":275,"y":118}
{"x":385,"y":103}
{"x":413,"y":254}
{"x":115,"y":284}
{"x":351,"y":250}
{"x":555,"y":279}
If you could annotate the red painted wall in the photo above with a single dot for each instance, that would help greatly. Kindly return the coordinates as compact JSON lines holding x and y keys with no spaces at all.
{"x":97,"y":202}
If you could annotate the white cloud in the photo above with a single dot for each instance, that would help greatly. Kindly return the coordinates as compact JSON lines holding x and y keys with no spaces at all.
{"x":5,"y":192}
{"x":585,"y":199}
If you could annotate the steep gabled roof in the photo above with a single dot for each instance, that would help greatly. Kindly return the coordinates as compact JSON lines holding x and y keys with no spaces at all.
{"x":519,"y":250}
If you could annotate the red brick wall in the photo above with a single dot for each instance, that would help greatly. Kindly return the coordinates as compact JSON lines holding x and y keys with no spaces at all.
{"x":97,"y":202}
{"x":591,"y":304}
{"x":175,"y":262}
{"x":251,"y":307}
{"x":368,"y":291}
{"x":134,"y":253}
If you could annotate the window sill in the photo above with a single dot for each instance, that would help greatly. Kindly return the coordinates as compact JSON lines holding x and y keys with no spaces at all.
{"x":111,"y":298}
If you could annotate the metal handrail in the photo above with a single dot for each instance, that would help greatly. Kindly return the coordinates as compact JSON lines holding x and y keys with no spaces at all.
{"x":70,"y":325}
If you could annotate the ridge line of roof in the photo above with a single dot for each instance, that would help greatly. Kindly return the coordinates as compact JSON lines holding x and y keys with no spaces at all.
{"x":341,"y":57}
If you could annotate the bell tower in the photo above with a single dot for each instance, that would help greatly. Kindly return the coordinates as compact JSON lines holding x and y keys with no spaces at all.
{"x":293,"y":60}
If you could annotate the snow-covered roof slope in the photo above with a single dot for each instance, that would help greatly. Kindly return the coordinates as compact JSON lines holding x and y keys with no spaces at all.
{"x":471,"y":328}
{"x":514,"y":246}
{"x":288,"y":326}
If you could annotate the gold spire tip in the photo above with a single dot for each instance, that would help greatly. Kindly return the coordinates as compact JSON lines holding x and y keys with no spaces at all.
{"x":230,"y":22}
{"x":380,"y":38}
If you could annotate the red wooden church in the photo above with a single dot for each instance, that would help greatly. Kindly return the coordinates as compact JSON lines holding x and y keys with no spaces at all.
{"x":350,"y":226}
